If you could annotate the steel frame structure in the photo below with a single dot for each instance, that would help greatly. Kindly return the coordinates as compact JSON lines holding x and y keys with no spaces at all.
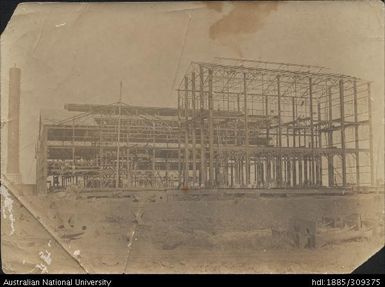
{"x":109,"y":147}
{"x":238,"y":124}
{"x":263,"y":124}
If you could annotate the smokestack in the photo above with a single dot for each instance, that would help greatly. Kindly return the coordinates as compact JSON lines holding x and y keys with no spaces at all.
{"x":13,"y":171}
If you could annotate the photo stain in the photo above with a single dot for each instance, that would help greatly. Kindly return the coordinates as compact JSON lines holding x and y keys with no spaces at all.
{"x":244,"y":18}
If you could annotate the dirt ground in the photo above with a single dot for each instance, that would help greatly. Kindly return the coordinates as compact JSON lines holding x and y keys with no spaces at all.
{"x":151,"y":233}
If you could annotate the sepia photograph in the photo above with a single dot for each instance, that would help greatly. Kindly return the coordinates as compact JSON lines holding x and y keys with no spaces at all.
{"x":192,"y":137}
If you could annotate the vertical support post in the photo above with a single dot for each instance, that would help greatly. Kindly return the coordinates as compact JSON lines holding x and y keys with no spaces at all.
{"x":342,"y":123}
{"x":218,"y":160}
{"x":268,"y":164}
{"x":267,"y":121}
{"x":73,"y":146}
{"x":232,"y":172}
{"x":186,"y":140}
{"x":179,"y":141}
{"x":128,"y":166}
{"x":101,"y":183}
{"x":356,"y":136}
{"x":288,"y":161}
{"x":305,"y":160}
{"x":211,"y":130}
{"x":319,"y":157}
{"x":237,"y":141}
{"x":117,"y":183}
{"x":241,"y":171}
{"x":279,"y":157}
{"x":203,"y":171}
{"x":300,"y":167}
{"x":226,"y":170}
{"x":167,"y":164}
{"x":194,"y":155}
{"x":236,"y":157}
{"x":134,"y":166}
{"x":294,"y":167}
{"x":44,"y":160}
{"x":312,"y":161}
{"x":370,"y":137}
{"x":330,"y":139}
{"x":153,"y":181}
{"x":247,"y":160}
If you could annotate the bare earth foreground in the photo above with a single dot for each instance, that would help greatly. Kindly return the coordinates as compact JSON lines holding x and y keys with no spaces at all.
{"x":150,"y":232}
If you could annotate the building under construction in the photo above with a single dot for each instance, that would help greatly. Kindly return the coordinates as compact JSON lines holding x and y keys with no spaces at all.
{"x":243,"y":124}
{"x":108,"y":147}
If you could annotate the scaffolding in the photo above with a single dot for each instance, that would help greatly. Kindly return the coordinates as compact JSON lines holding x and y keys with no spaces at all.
{"x":257,"y":124}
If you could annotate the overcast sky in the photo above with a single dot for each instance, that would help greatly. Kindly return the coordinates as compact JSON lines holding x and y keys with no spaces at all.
{"x":78,"y":53}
